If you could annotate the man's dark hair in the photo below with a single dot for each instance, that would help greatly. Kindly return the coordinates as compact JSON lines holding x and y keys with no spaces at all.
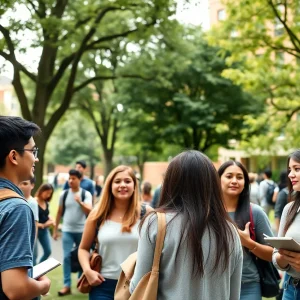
{"x":15,"y":133}
{"x":82,"y":163}
{"x":268,"y":173}
{"x":76,"y":173}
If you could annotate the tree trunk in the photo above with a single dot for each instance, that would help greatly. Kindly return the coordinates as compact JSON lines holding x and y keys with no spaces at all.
{"x":108,"y":165}
{"x":41,"y":143}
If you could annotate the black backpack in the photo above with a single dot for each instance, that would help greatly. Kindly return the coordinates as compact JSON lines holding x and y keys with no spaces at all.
{"x":65,"y":197}
{"x":270,"y":193}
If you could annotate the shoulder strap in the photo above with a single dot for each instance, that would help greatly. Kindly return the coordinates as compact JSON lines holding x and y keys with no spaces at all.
{"x":7,"y":193}
{"x":143,"y":210}
{"x":161,"y":232}
{"x":82,"y":194}
{"x":64,"y":197}
{"x":252,"y":226}
{"x":96,"y":242}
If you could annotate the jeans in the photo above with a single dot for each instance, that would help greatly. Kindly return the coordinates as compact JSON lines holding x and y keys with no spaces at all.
{"x":44,"y":239}
{"x":104,"y":291}
{"x":68,"y":241}
{"x":290,"y":292}
{"x":250,"y":291}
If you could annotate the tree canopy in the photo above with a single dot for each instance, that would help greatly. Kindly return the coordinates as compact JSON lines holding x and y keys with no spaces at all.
{"x":263,"y":35}
{"x":63,"y":33}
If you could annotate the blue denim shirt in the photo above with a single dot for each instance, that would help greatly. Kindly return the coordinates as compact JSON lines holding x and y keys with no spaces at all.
{"x":17,"y":233}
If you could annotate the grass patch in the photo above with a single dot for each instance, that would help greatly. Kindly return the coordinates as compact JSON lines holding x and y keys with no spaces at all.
{"x":56,"y":278}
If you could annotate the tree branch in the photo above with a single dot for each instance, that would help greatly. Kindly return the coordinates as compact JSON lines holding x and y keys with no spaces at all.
{"x":294,"y":39}
{"x":34,"y":8}
{"x":96,"y":78}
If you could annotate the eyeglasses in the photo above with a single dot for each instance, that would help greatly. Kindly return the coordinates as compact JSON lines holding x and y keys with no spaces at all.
{"x":34,"y":151}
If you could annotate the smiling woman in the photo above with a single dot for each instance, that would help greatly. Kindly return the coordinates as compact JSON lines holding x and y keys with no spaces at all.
{"x":118,"y":214}
{"x":236,"y":196}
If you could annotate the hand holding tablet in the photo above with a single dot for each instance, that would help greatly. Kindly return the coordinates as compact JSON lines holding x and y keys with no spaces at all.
{"x":45,"y":267}
{"x":286,"y":243}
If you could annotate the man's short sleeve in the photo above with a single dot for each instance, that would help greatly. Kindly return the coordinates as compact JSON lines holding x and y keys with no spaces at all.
{"x":16,"y":237}
{"x":88,"y":199}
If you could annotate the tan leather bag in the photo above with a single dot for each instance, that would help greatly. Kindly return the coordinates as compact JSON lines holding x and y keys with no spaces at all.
{"x":148,"y":285}
{"x":7,"y":193}
{"x":83,"y":285}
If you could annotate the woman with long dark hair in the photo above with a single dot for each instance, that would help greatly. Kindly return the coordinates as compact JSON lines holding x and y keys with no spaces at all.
{"x":284,"y":260}
{"x":43,"y":196}
{"x":236,"y":196}
{"x":202,"y":256}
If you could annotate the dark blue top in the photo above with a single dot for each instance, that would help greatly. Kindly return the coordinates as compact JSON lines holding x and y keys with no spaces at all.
{"x":17,"y":233}
{"x":85,"y":183}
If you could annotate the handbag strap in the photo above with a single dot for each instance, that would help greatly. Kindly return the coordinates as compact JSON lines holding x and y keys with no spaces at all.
{"x":96,"y":242}
{"x":252,"y":226}
{"x":161,"y":232}
{"x":7,"y":193}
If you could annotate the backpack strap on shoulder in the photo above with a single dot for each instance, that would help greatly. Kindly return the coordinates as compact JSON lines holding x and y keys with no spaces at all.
{"x":83,"y":194}
{"x":64,"y":197}
{"x":7,"y":194}
{"x":143,"y":210}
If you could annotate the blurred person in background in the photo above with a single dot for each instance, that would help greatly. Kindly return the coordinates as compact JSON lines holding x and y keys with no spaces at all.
{"x":27,"y":187}
{"x":85,"y":182}
{"x":254,"y":189}
{"x":280,"y":198}
{"x":43,"y":196}
{"x":74,"y":206}
{"x":146,"y":192}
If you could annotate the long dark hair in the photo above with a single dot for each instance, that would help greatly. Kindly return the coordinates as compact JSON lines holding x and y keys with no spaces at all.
{"x":242,"y":213}
{"x":292,"y":195}
{"x":192,"y":189}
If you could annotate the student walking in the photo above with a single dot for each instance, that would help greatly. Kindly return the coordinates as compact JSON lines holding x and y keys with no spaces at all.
{"x":43,"y":196}
{"x":74,"y":205}
{"x":284,"y":260}
{"x":235,"y":186}
{"x":202,"y":255}
{"x":118,"y":213}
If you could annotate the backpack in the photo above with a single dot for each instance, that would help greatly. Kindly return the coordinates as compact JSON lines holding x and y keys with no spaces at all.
{"x":65,"y":197}
{"x":270,"y":193}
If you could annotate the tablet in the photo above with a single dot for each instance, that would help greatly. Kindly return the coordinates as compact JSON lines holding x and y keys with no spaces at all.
{"x":45,"y":267}
{"x":286,"y":243}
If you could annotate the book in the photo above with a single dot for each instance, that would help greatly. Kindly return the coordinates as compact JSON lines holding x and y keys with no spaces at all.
{"x":286,"y":243}
{"x":45,"y":267}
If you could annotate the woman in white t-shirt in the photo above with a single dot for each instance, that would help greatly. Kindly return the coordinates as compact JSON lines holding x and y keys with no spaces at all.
{"x":118,"y":213}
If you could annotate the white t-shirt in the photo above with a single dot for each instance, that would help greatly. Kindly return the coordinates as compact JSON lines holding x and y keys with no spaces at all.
{"x":74,"y":217}
{"x":115,"y":246}
{"x":34,"y":207}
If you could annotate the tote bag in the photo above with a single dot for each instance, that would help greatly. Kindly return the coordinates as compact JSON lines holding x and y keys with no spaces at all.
{"x":148,"y":285}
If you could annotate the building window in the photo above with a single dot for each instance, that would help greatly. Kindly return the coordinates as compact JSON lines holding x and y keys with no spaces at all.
{"x":221,"y":14}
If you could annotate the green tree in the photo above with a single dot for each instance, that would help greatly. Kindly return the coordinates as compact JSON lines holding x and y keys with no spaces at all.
{"x":65,"y":32}
{"x":74,"y":139}
{"x":192,"y":106}
{"x":264,"y":35}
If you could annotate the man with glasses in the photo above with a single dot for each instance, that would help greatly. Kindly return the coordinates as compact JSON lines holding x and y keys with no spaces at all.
{"x":18,"y":155}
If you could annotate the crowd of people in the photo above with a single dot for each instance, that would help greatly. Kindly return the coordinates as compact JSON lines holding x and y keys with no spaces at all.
{"x":215,"y":225}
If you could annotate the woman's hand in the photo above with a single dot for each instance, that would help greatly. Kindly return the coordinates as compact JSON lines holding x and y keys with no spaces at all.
{"x":292,"y":258}
{"x":94,"y":278}
{"x":245,"y":237}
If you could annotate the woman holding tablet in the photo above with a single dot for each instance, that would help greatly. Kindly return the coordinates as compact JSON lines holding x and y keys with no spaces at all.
{"x":236,"y":196}
{"x":285,"y":260}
